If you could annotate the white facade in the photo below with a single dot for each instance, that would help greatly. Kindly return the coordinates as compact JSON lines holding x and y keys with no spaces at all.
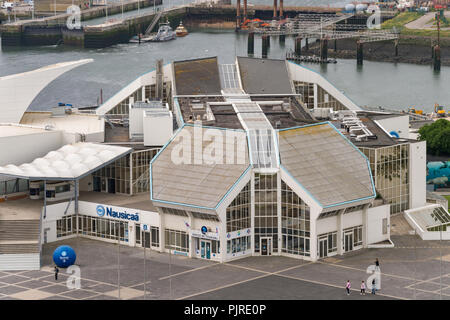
{"x":398,"y":124}
{"x":19,"y":90}
{"x":33,"y":142}
{"x":418,"y":174}
{"x":158,"y":129}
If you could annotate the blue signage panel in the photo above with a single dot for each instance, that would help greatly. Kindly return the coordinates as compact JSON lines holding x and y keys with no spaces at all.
{"x":109,"y":212}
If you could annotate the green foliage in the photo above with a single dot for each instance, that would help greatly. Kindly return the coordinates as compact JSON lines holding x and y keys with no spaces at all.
{"x":437,"y":136}
{"x":401,"y":19}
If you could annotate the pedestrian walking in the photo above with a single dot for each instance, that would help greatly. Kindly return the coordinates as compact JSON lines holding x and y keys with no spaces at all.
{"x":348,"y":286}
{"x":363,"y":288}
{"x":373,"y":286}
{"x":377,"y":264}
{"x":56,"y":272}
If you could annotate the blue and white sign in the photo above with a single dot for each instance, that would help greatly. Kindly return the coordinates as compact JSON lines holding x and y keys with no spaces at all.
{"x":100,"y":210}
{"x":110,"y":212}
{"x":204,"y":229}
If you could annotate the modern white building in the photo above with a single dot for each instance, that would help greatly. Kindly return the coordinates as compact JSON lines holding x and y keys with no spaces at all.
{"x":217,"y":161}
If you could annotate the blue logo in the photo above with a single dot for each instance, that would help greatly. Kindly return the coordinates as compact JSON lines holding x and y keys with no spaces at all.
{"x":101,"y":210}
{"x":204,"y":229}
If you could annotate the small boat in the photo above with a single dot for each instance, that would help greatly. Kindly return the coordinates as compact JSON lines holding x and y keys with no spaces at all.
{"x":141,"y":38}
{"x":165,"y":33}
{"x":181,"y":31}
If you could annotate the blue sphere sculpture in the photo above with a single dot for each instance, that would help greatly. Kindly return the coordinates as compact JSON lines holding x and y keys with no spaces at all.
{"x":64,"y":256}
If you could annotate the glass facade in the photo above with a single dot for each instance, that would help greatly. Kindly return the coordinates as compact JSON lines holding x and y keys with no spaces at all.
{"x":66,"y":226}
{"x":295,"y":223}
{"x":390,"y":169}
{"x":176,"y":240}
{"x":92,"y":226}
{"x":331,"y":239}
{"x":266,"y":218}
{"x":239,"y":244}
{"x":238,"y":212}
{"x":324,"y":99}
{"x":115,"y":177}
{"x":13,"y":186}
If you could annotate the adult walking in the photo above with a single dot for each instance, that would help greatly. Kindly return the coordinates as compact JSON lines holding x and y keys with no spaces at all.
{"x":56,"y":273}
{"x":377,"y":264}
{"x":373,"y":286}
{"x":348,"y":286}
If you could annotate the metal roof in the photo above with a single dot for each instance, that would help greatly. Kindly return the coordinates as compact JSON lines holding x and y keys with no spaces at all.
{"x":264,"y":76}
{"x":196,"y":77}
{"x":326,"y":164}
{"x":71,"y":162}
{"x":197,"y":183}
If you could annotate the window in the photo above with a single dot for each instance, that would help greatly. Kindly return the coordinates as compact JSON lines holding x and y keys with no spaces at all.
{"x":295,"y":223}
{"x":204,"y":216}
{"x":357,"y":235}
{"x":176,"y":212}
{"x":102,"y":228}
{"x":177,"y":240}
{"x":238,"y":212}
{"x":65,"y":226}
{"x":266,"y":215}
{"x":239,"y":244}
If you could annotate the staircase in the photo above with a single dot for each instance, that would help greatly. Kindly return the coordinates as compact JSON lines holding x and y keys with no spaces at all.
{"x":19,"y":244}
{"x":155,"y":20}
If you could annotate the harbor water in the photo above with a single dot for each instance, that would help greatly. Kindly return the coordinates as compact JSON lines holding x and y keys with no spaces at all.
{"x":390,"y":85}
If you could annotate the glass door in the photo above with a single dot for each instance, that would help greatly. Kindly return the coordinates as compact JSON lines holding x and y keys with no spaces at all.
{"x":266,"y":246}
{"x":205,"y":249}
{"x":348,"y":241}
{"x":323,"y":247}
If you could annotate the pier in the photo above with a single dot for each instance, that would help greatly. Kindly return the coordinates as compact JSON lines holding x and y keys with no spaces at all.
{"x":52,"y":30}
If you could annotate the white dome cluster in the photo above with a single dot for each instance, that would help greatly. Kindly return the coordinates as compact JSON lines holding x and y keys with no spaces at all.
{"x":68,"y":162}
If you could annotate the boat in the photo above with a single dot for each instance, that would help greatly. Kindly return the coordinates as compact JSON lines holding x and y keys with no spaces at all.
{"x":141,"y":38}
{"x":181,"y":31}
{"x":165,"y":33}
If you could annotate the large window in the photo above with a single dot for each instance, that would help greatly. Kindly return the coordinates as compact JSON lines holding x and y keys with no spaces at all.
{"x":177,"y":240}
{"x":238,"y":212}
{"x":390,"y":169}
{"x":238,"y":244}
{"x":126,"y":172}
{"x":103,"y":228}
{"x":13,"y":186}
{"x":150,"y":238}
{"x":295,"y":223}
{"x":65,"y":226}
{"x":331,"y":238}
{"x":266,"y":218}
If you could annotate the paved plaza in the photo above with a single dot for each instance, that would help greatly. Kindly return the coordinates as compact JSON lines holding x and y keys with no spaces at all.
{"x":411,"y":270}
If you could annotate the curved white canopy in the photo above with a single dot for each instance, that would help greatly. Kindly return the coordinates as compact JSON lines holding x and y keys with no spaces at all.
{"x":17,"y":91}
{"x":70,"y":162}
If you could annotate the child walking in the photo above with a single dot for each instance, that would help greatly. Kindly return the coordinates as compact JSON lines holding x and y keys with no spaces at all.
{"x":363,"y":288}
{"x":348,"y":286}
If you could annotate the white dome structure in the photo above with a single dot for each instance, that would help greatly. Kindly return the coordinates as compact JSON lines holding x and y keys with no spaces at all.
{"x":71,"y":162}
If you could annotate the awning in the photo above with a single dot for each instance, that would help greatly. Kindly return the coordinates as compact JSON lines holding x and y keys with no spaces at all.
{"x":71,"y":162}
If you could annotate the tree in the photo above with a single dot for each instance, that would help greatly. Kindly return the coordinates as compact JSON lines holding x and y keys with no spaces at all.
{"x":437,"y":136}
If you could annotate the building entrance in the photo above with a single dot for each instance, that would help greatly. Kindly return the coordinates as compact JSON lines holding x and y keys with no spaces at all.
{"x":348,"y":241}
{"x":323,"y":247}
{"x":266,"y":246}
{"x":205,"y":249}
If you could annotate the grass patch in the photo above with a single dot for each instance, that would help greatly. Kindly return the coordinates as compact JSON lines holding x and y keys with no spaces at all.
{"x":448,"y":199}
{"x":401,"y":19}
